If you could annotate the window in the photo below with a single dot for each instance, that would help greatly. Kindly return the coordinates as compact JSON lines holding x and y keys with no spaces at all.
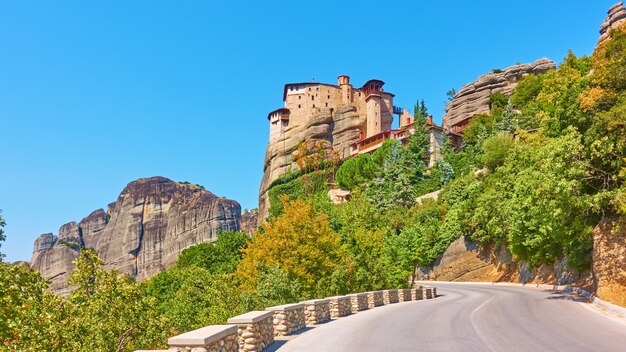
{"x":299,"y":96}
{"x":313,"y":106}
{"x":312,"y":97}
{"x":298,"y":106}
{"x":326,"y":104}
{"x":309,"y":89}
{"x":317,"y":89}
{"x":329,"y":97}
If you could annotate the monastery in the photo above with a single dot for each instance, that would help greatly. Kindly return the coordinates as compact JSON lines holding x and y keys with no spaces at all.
{"x":373,"y":105}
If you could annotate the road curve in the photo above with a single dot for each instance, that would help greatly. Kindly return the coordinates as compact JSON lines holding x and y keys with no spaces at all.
{"x":470,"y":317}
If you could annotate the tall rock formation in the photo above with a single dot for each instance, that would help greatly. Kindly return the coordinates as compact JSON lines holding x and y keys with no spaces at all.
{"x":473,"y":98}
{"x":330,"y":130}
{"x":615,"y":19}
{"x":142,"y":233}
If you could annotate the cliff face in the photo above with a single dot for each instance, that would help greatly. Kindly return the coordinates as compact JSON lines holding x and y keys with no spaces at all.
{"x":465,"y":260}
{"x":473,"y":98}
{"x":249,"y":221}
{"x":331,"y":130}
{"x":609,"y":259}
{"x":143,"y":232}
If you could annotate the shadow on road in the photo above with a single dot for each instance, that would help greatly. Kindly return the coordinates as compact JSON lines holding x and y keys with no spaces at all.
{"x":566,"y":296}
{"x":281,"y":341}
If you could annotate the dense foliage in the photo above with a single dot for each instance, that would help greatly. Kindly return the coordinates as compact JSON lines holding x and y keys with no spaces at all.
{"x":534,"y":175}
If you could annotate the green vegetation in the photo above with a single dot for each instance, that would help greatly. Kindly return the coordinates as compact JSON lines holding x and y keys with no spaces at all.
{"x":534,"y":174}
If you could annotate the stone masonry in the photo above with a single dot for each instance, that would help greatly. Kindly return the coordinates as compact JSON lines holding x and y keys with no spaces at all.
{"x":255,"y":330}
{"x":340,"y":306}
{"x":417,"y":293}
{"x":288,"y":318}
{"x":390,"y":296}
{"x":375,"y":299}
{"x":316,"y":311}
{"x":214,"y":338}
{"x":428,"y":292}
{"x":359,"y":302}
{"x":404,"y":295}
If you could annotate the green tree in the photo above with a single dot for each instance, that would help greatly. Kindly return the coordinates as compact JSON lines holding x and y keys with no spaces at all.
{"x":222,"y":256}
{"x":356,"y":172}
{"x":301,"y":242}
{"x":393,"y":185}
{"x":108,"y":310}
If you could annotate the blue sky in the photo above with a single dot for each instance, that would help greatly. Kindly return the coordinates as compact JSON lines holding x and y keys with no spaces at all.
{"x":94,"y":95}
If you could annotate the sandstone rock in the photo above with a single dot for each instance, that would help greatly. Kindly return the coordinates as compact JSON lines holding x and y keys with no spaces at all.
{"x":337,"y":129}
{"x":145,"y":230}
{"x":609,"y":259}
{"x":465,"y":260}
{"x":616,"y":18}
{"x":473,"y":98}
{"x":249,"y":221}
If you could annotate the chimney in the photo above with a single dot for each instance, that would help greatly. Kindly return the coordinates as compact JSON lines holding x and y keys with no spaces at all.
{"x":430,"y":120}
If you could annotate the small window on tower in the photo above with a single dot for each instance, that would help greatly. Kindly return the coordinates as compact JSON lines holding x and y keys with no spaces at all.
{"x":299,"y":96}
{"x":298,"y":106}
{"x":329,"y":97}
{"x":312,"y":97}
{"x":326,"y":104}
{"x":313,"y":106}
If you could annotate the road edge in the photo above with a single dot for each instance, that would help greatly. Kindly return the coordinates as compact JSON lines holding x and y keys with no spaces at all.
{"x":607,"y":307}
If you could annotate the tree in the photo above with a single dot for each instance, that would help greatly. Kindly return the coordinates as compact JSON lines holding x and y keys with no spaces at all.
{"x":300,"y":242}
{"x":30,"y":316}
{"x":450,"y":94}
{"x":108,"y":311}
{"x":219,"y":257}
{"x":394,"y":183}
{"x":356,"y":172}
{"x":2,"y":235}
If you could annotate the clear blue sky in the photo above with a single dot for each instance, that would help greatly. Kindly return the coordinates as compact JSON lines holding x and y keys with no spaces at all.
{"x":95,"y":95}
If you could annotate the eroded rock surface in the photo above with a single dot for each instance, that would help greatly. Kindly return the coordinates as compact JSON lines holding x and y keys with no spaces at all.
{"x":143,"y":232}
{"x":473,"y":98}
{"x":609,"y":259}
{"x":332,"y":130}
{"x":615,"y":19}
{"x":465,"y":260}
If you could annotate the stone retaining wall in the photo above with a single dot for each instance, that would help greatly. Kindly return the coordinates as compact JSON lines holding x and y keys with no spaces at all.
{"x":359,"y":302}
{"x":404,"y":295}
{"x":340,"y":306}
{"x":316,"y":311}
{"x":287,"y":318}
{"x":255,"y":330}
{"x":214,"y":338}
{"x":417,"y":293}
{"x":390,"y":296}
{"x":375,"y":299}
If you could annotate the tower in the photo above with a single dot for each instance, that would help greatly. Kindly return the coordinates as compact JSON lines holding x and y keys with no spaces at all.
{"x":279,"y":120}
{"x":346,"y":89}
{"x":373,"y":100}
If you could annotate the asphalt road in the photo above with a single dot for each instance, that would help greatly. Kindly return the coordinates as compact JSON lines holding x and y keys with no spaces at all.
{"x":470,"y":318}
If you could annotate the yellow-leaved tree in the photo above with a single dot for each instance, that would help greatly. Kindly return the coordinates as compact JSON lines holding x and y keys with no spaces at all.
{"x":300,"y":243}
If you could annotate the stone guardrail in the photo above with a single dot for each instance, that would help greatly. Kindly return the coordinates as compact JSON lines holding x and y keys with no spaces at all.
{"x":255,"y":331}
{"x":375,"y":299}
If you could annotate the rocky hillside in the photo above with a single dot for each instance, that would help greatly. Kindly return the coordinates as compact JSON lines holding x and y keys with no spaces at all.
{"x":141,"y":233}
{"x":332,"y":133}
{"x":473,"y":98}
